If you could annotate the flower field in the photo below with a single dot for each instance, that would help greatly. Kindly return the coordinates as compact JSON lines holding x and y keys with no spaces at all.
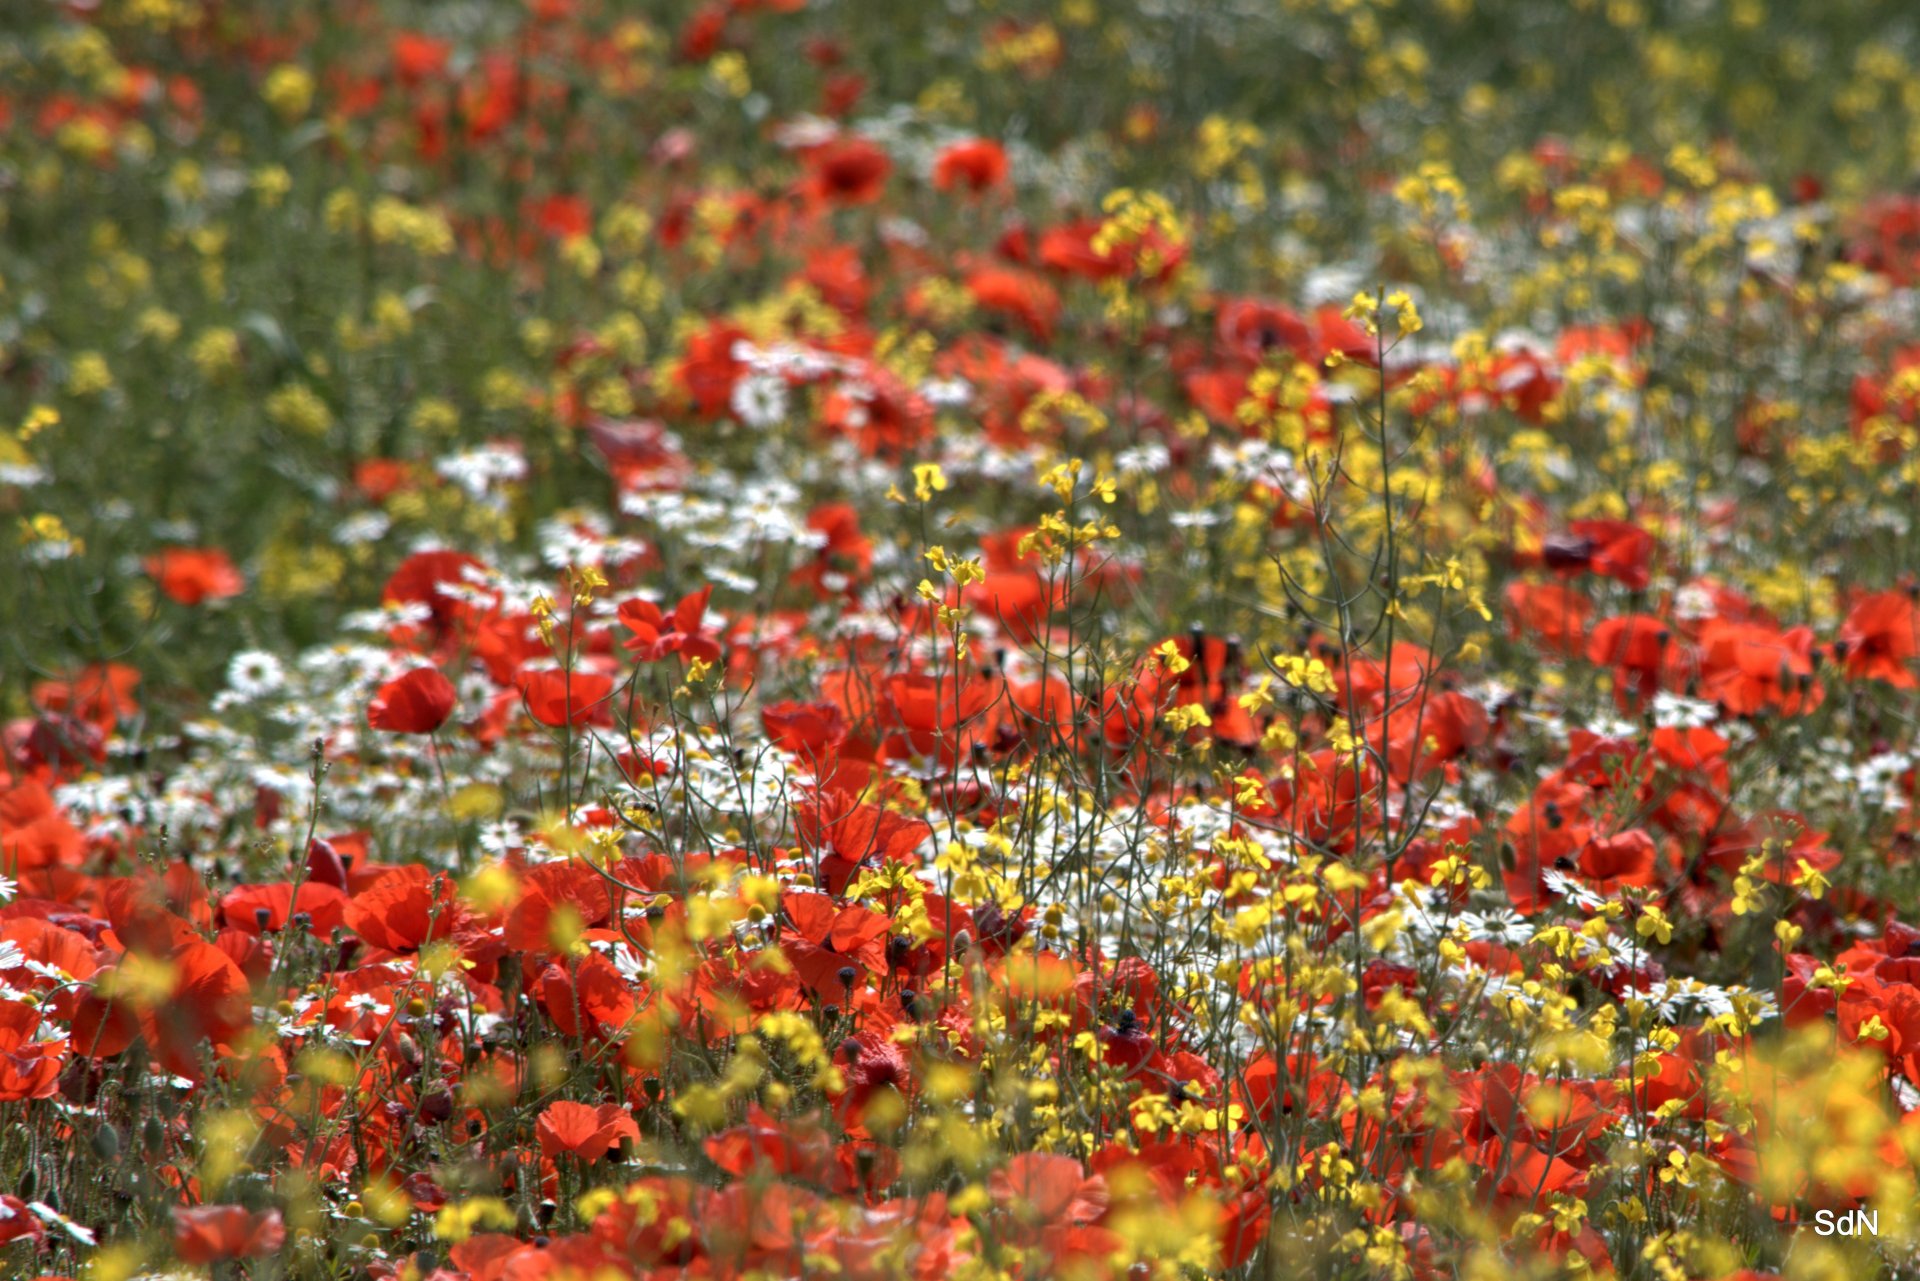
{"x":766,"y":639}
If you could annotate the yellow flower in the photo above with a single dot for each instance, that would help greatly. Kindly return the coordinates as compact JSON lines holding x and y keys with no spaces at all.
{"x":288,"y":90}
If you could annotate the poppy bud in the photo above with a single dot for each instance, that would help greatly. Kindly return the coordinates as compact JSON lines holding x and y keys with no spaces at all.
{"x":910,"y":1004}
{"x":652,"y":1086}
{"x":436,"y":1107}
{"x":153,"y":1135}
{"x":106,"y":1143}
{"x":847,"y":974}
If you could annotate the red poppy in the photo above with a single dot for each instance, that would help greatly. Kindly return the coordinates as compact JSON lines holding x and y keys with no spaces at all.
{"x":1254,"y":330}
{"x":34,"y":832}
{"x":1070,"y":249}
{"x":259,"y":909}
{"x":846,"y":558}
{"x":809,"y":730}
{"x":584,"y":1131}
{"x":214,"y":1233}
{"x":555,"y":698}
{"x":416,"y":703}
{"x":832,"y":948}
{"x":29,"y":1066}
{"x":589,"y":990}
{"x":1750,"y":667}
{"x":1021,"y":294}
{"x":657,"y":634}
{"x":194,"y":575}
{"x":847,"y":840}
{"x":1881,"y":638}
{"x":17,"y":1221}
{"x":939,"y":715}
{"x":848,"y":171}
{"x":563,"y":217}
{"x":403,"y":909}
{"x":550,"y":893}
{"x":1615,"y":549}
{"x":1646,"y":654}
{"x":1554,"y":613}
{"x":418,"y":57}
{"x":433,"y":579}
{"x":976,"y":164}
{"x":709,"y":368}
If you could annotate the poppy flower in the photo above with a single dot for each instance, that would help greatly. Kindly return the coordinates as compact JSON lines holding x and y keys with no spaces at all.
{"x":562,"y":217}
{"x":709,"y":368}
{"x":418,"y":57}
{"x":29,"y":1066}
{"x":1881,"y":638}
{"x":402,"y":909}
{"x":860,"y":836}
{"x":555,"y":698}
{"x":416,"y":703}
{"x":17,"y":1222}
{"x":1554,"y":613}
{"x":880,"y":413}
{"x":848,"y":171}
{"x":267,"y":909}
{"x":657,"y":634}
{"x":215,"y":1233}
{"x":832,"y":948}
{"x":1750,"y":667}
{"x":432,"y":578}
{"x":937,"y":715}
{"x":1070,"y":249}
{"x":35,"y":831}
{"x":1646,"y":655}
{"x":587,"y":991}
{"x":1253,"y":330}
{"x":1047,"y":1190}
{"x":1615,"y":549}
{"x":549,"y":894}
{"x":845,"y":559}
{"x":100,"y":694}
{"x":195,"y":575}
{"x":809,"y":730}
{"x":582,"y":1130}
{"x":975,"y":163}
{"x":1022,"y":295}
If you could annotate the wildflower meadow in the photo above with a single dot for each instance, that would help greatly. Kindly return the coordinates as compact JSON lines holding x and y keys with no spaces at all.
{"x":959,"y":640}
